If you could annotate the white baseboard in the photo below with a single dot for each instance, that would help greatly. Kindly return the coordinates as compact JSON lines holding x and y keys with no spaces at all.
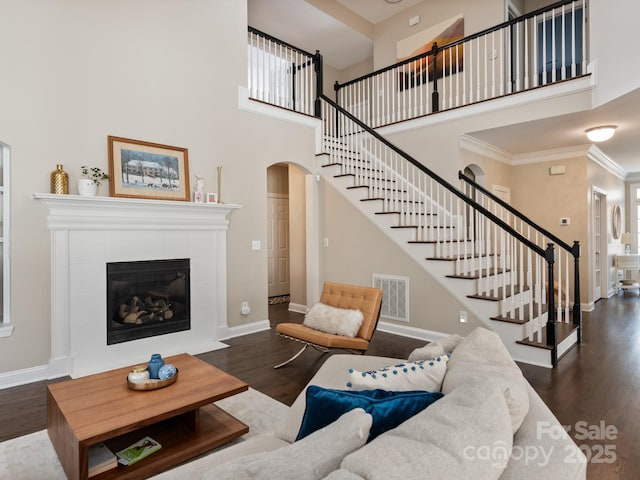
{"x":231,"y":332}
{"x":411,"y":332}
{"x":22,"y":377}
{"x":296,"y":307}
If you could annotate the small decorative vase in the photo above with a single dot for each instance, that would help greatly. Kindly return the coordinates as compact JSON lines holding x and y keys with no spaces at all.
{"x":139,"y":374}
{"x":59,"y":181}
{"x":87,"y":187}
{"x":154,"y":365}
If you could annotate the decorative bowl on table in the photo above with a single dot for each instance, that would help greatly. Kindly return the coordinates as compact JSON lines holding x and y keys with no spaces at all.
{"x":153,"y":384}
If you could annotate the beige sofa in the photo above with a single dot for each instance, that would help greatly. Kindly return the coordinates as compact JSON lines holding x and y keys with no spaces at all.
{"x":490,"y":424}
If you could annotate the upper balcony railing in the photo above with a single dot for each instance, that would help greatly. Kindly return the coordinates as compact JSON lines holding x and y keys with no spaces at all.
{"x":543,"y":47}
{"x":283,"y":75}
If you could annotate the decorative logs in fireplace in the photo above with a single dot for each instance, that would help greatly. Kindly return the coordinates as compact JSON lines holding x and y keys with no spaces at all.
{"x":147,"y":298}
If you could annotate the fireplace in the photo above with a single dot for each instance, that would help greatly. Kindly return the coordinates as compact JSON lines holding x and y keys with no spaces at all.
{"x":147,"y":298}
{"x":87,"y":233}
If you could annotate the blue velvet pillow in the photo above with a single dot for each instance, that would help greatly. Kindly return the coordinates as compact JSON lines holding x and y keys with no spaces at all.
{"x":388,"y":409}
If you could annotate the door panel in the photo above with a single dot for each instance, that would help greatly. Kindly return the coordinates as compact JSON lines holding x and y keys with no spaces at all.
{"x":278,"y":246}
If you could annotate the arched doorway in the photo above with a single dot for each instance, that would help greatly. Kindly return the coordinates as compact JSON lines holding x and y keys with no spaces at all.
{"x":291,"y":241}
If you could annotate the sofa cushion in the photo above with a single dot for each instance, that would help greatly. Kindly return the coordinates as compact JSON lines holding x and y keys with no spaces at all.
{"x":313,"y":457}
{"x":466,"y":434}
{"x":337,"y":321}
{"x":388,"y":409}
{"x":419,"y":375}
{"x":483,"y":355}
{"x":436,"y":348}
{"x":342,"y":474}
{"x":333,"y":374}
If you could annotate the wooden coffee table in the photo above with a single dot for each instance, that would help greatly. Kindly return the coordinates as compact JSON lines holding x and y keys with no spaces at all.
{"x":101,"y":408}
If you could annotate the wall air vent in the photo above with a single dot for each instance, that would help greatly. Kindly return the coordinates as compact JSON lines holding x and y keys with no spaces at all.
{"x":395,"y":297}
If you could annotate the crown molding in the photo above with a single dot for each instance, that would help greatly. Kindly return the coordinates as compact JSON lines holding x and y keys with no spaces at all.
{"x":472,"y":144}
{"x":551,"y":155}
{"x":598,"y":156}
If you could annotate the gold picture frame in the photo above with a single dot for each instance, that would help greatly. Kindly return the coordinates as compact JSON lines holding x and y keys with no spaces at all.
{"x":148,"y":170}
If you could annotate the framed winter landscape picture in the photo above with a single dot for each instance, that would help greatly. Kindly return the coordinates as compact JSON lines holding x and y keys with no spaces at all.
{"x":147,"y":170}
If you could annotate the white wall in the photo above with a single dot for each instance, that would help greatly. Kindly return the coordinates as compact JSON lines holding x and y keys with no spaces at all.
{"x":74,"y":72}
{"x":613,"y":29}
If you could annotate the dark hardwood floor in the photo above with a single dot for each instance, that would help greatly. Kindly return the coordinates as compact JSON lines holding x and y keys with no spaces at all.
{"x":595,"y":385}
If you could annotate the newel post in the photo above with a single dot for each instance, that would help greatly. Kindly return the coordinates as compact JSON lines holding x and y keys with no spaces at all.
{"x":317,"y":66}
{"x":550,"y":257}
{"x":435,"y":96}
{"x":577,"y":311}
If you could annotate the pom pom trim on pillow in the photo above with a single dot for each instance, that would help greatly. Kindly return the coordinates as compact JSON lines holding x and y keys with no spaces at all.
{"x":418,"y":375}
{"x":337,"y":321}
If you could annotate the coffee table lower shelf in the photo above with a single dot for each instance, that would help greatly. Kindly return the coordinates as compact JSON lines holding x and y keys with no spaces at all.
{"x":178,"y":439}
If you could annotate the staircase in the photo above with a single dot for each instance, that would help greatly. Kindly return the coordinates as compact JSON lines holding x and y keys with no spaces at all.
{"x":491,"y":258}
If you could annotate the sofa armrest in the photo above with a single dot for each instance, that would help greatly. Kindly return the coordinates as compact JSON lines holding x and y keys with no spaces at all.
{"x":543,"y":448}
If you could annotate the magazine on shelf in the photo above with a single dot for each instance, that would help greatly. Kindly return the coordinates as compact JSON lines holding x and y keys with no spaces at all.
{"x":139,"y":450}
{"x":101,"y":459}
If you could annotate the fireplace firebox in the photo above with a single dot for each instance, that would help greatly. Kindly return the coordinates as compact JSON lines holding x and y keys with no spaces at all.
{"x":147,"y":298}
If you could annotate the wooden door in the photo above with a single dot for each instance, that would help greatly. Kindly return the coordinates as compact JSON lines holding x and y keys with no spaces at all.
{"x":278,"y":245}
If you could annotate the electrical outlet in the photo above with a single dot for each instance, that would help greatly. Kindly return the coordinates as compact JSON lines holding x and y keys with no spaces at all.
{"x":245,"y":309}
{"x":463,"y":316}
{"x":255,"y":245}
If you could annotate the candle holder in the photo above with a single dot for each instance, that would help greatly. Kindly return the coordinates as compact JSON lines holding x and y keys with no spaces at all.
{"x":220,"y":184}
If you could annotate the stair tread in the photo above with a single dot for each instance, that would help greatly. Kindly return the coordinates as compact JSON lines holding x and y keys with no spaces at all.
{"x":381,"y":188}
{"x":498,"y":295}
{"x":463,"y":257}
{"x":479,"y":273}
{"x":563,"y":331}
{"x":422,"y":214}
{"x":537,"y":311}
{"x":427,"y":242}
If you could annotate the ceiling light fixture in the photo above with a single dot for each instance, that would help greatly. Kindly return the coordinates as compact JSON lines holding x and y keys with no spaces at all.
{"x":393,"y":1}
{"x":601,"y":134}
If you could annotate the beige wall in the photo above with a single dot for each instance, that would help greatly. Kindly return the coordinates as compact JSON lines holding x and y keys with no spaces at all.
{"x":358,"y":248}
{"x":278,"y":179}
{"x":297,"y":236}
{"x":75,"y":72}
{"x":615,"y":190}
{"x":477,"y":17}
{"x":546,"y":198}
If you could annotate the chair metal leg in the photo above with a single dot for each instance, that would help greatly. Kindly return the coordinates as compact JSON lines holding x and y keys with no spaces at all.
{"x":292,"y":358}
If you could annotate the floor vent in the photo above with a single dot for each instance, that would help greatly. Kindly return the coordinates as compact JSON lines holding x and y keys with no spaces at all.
{"x":395,"y":297}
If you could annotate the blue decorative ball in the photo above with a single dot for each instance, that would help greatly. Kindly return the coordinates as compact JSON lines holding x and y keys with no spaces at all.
{"x":166,"y":371}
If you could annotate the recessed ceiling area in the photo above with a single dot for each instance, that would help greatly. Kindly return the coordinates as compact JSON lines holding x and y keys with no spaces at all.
{"x":569,"y":131}
{"x":303,"y":25}
{"x":377,"y":11}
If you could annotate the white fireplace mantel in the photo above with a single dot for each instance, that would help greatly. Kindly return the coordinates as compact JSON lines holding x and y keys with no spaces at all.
{"x":89,"y":232}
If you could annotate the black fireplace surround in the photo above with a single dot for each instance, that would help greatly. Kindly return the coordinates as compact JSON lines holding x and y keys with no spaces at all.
{"x":147,"y":298}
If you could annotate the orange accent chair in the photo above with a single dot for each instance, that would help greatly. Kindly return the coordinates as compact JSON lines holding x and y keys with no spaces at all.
{"x":365,"y":299}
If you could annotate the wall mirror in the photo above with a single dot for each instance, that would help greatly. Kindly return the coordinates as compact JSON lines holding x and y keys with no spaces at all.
{"x":616,"y":221}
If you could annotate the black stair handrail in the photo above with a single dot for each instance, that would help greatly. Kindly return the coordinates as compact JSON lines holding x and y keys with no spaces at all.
{"x":517,"y":213}
{"x":548,"y":253}
{"x":573,"y":250}
{"x":475,"y":205}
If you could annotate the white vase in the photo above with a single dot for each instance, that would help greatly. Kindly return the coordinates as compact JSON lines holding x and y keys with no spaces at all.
{"x":87,"y":188}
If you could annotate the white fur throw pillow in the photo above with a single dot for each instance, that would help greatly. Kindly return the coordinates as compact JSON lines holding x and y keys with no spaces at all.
{"x":337,"y":321}
{"x":420,"y":375}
